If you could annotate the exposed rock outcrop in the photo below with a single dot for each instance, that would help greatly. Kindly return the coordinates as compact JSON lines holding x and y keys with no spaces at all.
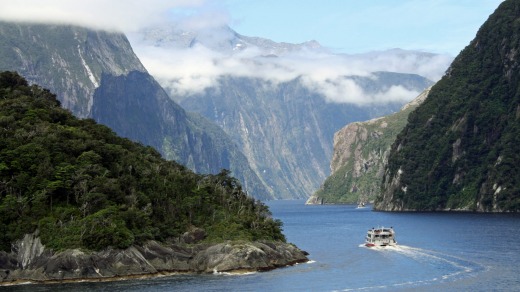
{"x":31,"y":261}
{"x":136,"y":107}
{"x":68,"y":60}
{"x":360,"y":155}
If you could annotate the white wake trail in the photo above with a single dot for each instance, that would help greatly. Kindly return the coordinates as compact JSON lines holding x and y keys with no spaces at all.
{"x":459,"y":267}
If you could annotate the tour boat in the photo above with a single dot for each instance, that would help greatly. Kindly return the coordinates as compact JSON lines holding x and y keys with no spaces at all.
{"x":380,"y":236}
{"x":361,"y":205}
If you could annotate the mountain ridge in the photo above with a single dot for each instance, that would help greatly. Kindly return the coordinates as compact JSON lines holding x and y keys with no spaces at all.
{"x":459,"y":150}
{"x":269,"y":97}
{"x":229,"y":41}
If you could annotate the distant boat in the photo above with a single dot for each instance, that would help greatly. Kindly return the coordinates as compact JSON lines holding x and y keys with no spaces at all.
{"x":380,"y":236}
{"x":361,"y":205}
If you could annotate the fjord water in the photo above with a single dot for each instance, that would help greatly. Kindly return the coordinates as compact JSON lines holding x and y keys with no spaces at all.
{"x":436,"y":252}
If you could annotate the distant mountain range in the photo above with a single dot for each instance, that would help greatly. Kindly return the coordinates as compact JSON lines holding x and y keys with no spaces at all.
{"x":286,"y":131}
{"x":284,"y":128}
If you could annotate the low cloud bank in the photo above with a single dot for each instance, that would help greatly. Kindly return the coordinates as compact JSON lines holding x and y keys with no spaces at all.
{"x":191,"y":70}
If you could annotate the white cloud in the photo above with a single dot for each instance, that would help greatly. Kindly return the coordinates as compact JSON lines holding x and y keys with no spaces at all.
{"x":395,"y":93}
{"x":431,"y":66}
{"x":186,"y":71}
{"x":119,"y":15}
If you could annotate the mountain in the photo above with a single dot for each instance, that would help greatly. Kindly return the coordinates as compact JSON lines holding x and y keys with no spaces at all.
{"x":280,"y":103}
{"x":134,"y":105}
{"x":222,"y":39}
{"x":68,"y":60}
{"x":62,"y":175}
{"x":461,"y":147}
{"x":77,"y":202}
{"x":92,"y":73}
{"x":286,"y":130}
{"x":360,"y":155}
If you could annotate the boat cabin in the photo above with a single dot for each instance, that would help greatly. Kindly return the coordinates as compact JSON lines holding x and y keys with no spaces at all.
{"x":380,"y":236}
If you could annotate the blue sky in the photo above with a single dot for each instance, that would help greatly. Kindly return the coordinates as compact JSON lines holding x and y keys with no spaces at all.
{"x":440,"y":26}
{"x":347,"y":26}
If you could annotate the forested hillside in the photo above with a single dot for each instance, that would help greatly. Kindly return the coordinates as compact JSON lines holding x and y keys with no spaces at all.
{"x":460,"y":149}
{"x":81,"y":186}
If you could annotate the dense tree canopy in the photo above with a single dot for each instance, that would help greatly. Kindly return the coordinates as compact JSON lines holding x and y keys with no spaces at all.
{"x":81,"y":186}
{"x":461,"y":147}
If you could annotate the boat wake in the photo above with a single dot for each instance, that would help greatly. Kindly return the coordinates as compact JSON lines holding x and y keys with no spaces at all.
{"x":452,"y":268}
{"x":460,"y":266}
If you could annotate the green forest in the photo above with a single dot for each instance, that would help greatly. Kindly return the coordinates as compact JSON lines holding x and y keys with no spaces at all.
{"x":461,"y":147}
{"x":80,"y":186}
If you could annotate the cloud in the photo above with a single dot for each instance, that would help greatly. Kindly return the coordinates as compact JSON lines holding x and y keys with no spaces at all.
{"x":431,"y":66}
{"x":119,"y":15}
{"x":191,"y":70}
{"x":344,"y":90}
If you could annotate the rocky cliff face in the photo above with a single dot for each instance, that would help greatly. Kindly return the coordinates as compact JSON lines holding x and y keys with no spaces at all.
{"x":96,"y":74}
{"x":360,"y":155}
{"x":31,"y":261}
{"x":68,"y":60}
{"x":460,"y":148}
{"x":286,"y":130}
{"x":135,"y":106}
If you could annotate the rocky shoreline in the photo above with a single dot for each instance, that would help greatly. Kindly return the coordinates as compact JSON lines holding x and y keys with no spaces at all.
{"x":30,"y":262}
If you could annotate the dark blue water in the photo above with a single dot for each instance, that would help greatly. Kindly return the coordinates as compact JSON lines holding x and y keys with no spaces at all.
{"x":436,"y":252}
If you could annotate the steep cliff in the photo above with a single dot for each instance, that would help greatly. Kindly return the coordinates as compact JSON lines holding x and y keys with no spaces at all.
{"x":68,"y":60}
{"x":96,"y":74}
{"x":461,"y":147}
{"x":136,"y":107}
{"x":360,"y":155}
{"x":285,"y":130}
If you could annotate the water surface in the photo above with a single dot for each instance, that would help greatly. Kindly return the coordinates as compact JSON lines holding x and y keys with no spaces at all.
{"x":436,"y":251}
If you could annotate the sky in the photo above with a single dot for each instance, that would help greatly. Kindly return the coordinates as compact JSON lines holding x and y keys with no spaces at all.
{"x":344,"y":27}
{"x":356,"y":26}
{"x":348,"y":26}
